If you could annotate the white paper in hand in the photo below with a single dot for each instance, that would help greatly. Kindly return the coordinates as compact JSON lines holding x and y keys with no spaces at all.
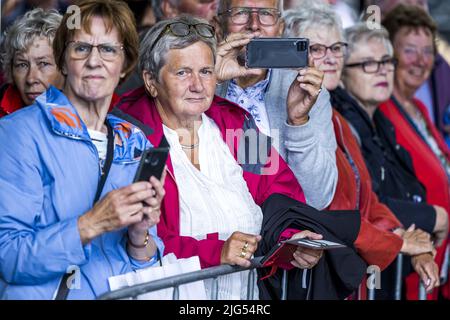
{"x":171,"y":266}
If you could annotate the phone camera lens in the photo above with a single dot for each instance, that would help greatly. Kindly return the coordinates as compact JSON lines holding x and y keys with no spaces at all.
{"x":154,"y":161}
{"x":301,"y":45}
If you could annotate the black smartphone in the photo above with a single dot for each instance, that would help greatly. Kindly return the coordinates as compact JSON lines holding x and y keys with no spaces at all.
{"x":152,"y":162}
{"x":277,"y":53}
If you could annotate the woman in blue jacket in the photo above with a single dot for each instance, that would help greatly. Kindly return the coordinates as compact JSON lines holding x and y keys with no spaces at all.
{"x":57,"y":153}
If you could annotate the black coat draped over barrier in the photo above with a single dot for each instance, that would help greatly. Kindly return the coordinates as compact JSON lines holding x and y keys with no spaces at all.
{"x":337,"y":274}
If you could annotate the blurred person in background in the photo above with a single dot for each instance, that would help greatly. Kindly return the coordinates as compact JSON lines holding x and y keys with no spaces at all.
{"x":433,"y":93}
{"x":27,"y":59}
{"x":376,"y":242}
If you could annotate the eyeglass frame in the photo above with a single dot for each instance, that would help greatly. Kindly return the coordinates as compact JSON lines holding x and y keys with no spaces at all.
{"x":379,"y":63}
{"x":344,"y":44}
{"x":120,"y":46}
{"x":252,"y":10}
{"x":168,"y":28}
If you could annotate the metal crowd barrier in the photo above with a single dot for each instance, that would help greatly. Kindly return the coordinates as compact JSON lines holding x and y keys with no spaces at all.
{"x":399,"y":281}
{"x":214,"y":272}
{"x":175,"y":281}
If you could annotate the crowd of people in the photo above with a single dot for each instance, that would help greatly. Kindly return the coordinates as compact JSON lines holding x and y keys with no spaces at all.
{"x":350,"y":148}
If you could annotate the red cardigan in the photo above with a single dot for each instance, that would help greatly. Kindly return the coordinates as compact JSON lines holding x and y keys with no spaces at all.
{"x":427,"y":167}
{"x":376,"y":244}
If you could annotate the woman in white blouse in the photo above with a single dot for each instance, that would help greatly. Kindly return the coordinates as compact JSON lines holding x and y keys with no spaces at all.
{"x":212,"y":203}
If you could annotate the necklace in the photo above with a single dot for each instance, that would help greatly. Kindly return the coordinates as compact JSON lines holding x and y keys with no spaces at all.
{"x":190,"y":146}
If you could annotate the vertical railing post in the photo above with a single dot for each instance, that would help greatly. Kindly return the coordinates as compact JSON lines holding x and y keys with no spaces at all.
{"x":399,"y":277}
{"x":251,"y":285}
{"x":422,"y":291}
{"x":284,"y":284}
{"x":215,"y":289}
{"x":445,"y":266}
{"x":176,"y":293}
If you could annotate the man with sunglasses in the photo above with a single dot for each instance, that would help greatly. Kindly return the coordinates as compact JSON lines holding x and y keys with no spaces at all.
{"x":287,"y":105}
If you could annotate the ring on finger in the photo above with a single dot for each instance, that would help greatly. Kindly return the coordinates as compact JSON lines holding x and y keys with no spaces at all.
{"x":245,"y":246}
{"x":243,"y":253}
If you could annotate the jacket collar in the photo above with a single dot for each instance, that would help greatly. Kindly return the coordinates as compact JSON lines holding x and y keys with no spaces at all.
{"x":64,"y":120}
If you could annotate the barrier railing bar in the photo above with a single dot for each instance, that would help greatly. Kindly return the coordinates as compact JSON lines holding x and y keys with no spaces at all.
{"x":178,"y":280}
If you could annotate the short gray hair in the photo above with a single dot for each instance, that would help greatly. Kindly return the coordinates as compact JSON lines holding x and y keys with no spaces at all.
{"x":36,"y":23}
{"x":311,"y":15}
{"x":360,"y":34}
{"x":152,"y":61}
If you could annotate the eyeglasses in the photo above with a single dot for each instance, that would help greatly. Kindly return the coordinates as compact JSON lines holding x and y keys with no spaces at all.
{"x":373,"y":66}
{"x":318,"y":50}
{"x":181,"y":29}
{"x":241,"y":15}
{"x":81,"y":50}
{"x":413,"y":52}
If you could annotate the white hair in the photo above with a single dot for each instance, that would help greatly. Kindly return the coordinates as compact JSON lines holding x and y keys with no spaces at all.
{"x":311,"y":15}
{"x":360,"y":34}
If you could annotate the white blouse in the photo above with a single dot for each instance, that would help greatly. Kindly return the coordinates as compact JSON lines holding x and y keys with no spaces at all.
{"x":214,"y":199}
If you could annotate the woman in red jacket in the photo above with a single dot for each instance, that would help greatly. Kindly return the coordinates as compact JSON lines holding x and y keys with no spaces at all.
{"x":413,"y":34}
{"x":212,"y":204}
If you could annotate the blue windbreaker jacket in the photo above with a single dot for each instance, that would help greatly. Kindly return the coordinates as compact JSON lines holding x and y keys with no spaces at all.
{"x":49,"y":173}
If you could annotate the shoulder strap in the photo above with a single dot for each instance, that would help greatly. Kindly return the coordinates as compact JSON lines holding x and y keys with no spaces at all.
{"x":63,"y":289}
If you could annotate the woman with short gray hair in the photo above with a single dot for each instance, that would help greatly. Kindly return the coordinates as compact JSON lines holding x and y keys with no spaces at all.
{"x":27,"y":59}
{"x":213,"y":204}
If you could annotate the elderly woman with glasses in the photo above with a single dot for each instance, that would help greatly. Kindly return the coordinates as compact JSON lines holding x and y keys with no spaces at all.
{"x":27,"y":59}
{"x":369,"y":79}
{"x":68,"y":204}
{"x":213,"y":192}
{"x":376,"y":242}
{"x":413,"y":35}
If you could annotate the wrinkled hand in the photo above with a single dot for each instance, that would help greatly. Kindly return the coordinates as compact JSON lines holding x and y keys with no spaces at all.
{"x":122,"y":208}
{"x":427,"y":269}
{"x":151,"y":211}
{"x":303,"y":94}
{"x":227,"y":65}
{"x":306,"y":258}
{"x":239,"y":249}
{"x":416,"y":241}
{"x":440,"y":232}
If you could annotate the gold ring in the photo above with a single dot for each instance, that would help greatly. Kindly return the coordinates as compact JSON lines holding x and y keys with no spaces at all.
{"x":243,"y":253}
{"x":245,"y":245}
